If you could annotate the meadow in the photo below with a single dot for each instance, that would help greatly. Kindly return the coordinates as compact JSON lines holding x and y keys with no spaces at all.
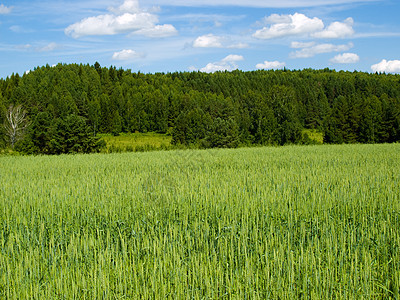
{"x":135,"y":142}
{"x":314,"y":222}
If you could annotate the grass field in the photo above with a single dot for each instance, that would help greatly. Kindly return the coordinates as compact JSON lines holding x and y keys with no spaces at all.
{"x":313,"y":222}
{"x":142,"y":142}
{"x":135,"y":142}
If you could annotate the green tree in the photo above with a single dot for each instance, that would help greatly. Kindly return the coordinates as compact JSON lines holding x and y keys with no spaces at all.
{"x":371,"y":121}
{"x":223,"y":133}
{"x":285,"y":107}
{"x":73,"y":135}
{"x":41,"y":133}
{"x":94,"y":113}
{"x":191,"y":127}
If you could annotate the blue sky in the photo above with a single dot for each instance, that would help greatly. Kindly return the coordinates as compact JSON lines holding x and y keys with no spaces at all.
{"x":207,"y":35}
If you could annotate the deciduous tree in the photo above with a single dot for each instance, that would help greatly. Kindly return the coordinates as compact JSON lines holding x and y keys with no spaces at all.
{"x":15,"y":124}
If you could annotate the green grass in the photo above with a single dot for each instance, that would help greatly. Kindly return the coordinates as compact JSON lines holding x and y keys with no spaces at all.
{"x":130,"y":142}
{"x":313,"y":222}
{"x":314,"y":135}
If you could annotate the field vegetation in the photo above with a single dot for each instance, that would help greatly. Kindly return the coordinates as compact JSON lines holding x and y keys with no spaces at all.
{"x":314,"y":222}
{"x":136,"y":142}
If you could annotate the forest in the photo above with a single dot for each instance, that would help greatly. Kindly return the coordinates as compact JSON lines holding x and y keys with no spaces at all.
{"x":65,"y":107}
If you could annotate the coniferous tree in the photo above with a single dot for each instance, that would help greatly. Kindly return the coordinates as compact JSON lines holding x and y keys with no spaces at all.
{"x":263,"y":107}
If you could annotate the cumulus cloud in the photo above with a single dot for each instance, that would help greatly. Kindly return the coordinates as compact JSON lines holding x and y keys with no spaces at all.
{"x":4,"y":9}
{"x":233,"y":58}
{"x":129,"y":6}
{"x":387,"y":66}
{"x":126,"y":54}
{"x":213,"y":41}
{"x":271,"y":65}
{"x":124,"y":19}
{"x":345,"y":58}
{"x":208,"y":41}
{"x":301,"y":25}
{"x":226,"y":64}
{"x":111,"y":24}
{"x":319,"y":49}
{"x":288,"y":25}
{"x":337,"y":30}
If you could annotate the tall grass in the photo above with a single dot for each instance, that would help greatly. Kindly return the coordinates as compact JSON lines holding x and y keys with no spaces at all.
{"x":315,"y":222}
{"x":136,"y":142}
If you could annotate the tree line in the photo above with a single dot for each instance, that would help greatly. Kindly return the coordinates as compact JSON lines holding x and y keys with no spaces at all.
{"x":67,"y":105}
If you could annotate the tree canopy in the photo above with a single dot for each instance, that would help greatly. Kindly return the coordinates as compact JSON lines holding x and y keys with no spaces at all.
{"x":69,"y":104}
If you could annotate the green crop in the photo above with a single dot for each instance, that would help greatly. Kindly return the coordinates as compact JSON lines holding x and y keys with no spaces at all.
{"x":312,"y":222}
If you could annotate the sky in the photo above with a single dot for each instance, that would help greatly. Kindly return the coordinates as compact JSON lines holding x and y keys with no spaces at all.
{"x":206,"y":35}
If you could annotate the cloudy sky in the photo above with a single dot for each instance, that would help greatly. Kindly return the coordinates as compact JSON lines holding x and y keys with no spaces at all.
{"x":207,"y":35}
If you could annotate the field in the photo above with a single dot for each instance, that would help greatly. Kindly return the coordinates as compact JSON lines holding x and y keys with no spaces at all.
{"x":141,"y":142}
{"x":313,"y":222}
{"x":135,"y":142}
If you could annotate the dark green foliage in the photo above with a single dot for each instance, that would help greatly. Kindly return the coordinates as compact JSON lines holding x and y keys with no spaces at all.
{"x":72,"y":135}
{"x":224,"y":133}
{"x":42,"y":133}
{"x":191,"y":127}
{"x":224,"y":109}
{"x":60,"y":136}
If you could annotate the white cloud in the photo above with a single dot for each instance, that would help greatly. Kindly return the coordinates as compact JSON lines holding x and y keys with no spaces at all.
{"x":289,"y":25}
{"x":126,"y":54}
{"x":213,"y":41}
{"x":226,"y":64}
{"x":255,"y":3}
{"x":214,"y":67}
{"x":337,"y":30}
{"x":319,"y":49}
{"x":299,"y":45}
{"x":271,"y":65}
{"x":4,"y":10}
{"x":129,"y":6}
{"x":387,"y":66}
{"x":276,"y":19}
{"x":238,"y":46}
{"x":110,"y":24}
{"x":301,"y":25}
{"x":345,"y":58}
{"x":49,"y":47}
{"x":158,"y":31}
{"x":233,"y":58}
{"x":208,"y":41}
{"x":126,"y":18}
